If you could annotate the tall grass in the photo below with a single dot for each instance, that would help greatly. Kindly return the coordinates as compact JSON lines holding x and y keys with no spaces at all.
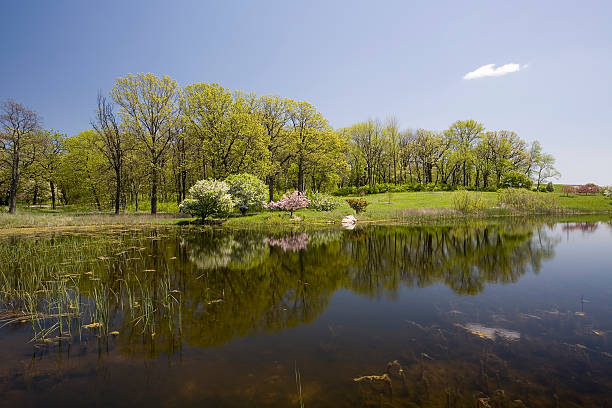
{"x":69,"y":284}
{"x":467,"y":202}
{"x":528,"y":201}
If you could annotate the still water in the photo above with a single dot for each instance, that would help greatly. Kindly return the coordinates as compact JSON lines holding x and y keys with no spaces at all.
{"x":507,"y":314}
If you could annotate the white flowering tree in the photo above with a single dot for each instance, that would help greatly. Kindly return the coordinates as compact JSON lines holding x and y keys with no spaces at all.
{"x":248,"y":192}
{"x":208,"y":198}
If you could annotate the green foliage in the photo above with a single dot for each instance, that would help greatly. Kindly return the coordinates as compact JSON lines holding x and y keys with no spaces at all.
{"x":165,"y":138}
{"x":323,"y":202}
{"x":150,"y":109}
{"x":357,"y":204}
{"x":467,"y":201}
{"x":247,"y":191}
{"x":524,"y":200}
{"x":550,"y":187}
{"x":209,"y":198}
{"x":82,"y":174}
{"x":515,"y":179}
{"x":392,"y":188}
{"x":229,"y":133}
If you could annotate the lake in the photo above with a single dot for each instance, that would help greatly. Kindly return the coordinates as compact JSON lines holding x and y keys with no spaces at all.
{"x":486,"y":314}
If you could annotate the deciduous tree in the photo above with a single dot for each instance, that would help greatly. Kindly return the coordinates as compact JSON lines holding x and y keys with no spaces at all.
{"x":112,"y":143}
{"x":150,"y":109}
{"x":19,"y":139}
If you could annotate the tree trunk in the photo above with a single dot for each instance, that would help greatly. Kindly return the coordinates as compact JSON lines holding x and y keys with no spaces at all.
{"x":97,"y":198}
{"x":117,"y":189}
{"x":52,"y":187}
{"x":270,"y":182}
{"x":13,"y":197}
{"x":183,"y":182}
{"x":300,"y":185}
{"x":35,"y":196}
{"x":14,"y":184}
{"x":154,"y":189}
{"x":394,"y":170}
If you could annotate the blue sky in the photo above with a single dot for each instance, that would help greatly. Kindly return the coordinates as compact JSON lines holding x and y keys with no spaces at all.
{"x":353,"y":60}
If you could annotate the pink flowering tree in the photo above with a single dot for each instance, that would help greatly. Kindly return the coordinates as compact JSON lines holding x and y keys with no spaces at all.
{"x":291,"y":203}
{"x":588,"y":189}
{"x":567,"y":190}
{"x":585,"y":189}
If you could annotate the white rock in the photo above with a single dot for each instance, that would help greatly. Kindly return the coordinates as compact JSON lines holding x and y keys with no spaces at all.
{"x":349,"y":222}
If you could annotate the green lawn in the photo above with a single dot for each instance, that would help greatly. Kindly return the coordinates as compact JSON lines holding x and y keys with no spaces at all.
{"x":391,"y":208}
{"x":587,"y":203}
{"x":407,"y":207}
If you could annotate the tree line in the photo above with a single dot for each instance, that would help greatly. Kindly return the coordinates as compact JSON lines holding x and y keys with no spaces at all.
{"x":150,"y":140}
{"x":465,"y":154}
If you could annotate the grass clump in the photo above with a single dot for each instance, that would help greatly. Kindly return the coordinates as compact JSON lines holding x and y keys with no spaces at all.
{"x":527,"y":201}
{"x":467,"y":202}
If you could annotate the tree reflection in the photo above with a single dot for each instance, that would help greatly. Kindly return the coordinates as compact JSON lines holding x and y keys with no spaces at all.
{"x":161,"y":289}
{"x":463,"y":258}
{"x":212,"y":249}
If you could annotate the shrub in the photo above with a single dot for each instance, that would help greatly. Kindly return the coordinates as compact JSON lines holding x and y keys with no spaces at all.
{"x":392,"y":188}
{"x":208,"y":198}
{"x":323,"y":202}
{"x":248,"y":192}
{"x":357,"y":204}
{"x":550,"y":187}
{"x":467,"y":201}
{"x":292,"y":203}
{"x":525,"y":200}
{"x":515,"y":179}
{"x":607,"y":191}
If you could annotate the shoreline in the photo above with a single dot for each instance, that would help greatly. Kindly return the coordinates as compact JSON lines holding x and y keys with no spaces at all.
{"x":423,"y":216}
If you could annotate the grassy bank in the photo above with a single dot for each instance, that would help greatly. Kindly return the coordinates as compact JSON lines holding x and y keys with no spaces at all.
{"x":416,"y":207}
{"x":410,"y":207}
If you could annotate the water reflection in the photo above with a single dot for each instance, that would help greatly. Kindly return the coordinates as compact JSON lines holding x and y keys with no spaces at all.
{"x":227,"y":284}
{"x":586,"y":227}
{"x":292,"y":242}
{"x":142,"y":294}
{"x":219,"y":249}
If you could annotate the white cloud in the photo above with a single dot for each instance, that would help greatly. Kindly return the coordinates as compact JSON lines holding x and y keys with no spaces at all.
{"x":489,"y":70}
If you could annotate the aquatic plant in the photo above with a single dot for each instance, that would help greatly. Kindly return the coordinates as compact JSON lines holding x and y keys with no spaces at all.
{"x":298,"y":385}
